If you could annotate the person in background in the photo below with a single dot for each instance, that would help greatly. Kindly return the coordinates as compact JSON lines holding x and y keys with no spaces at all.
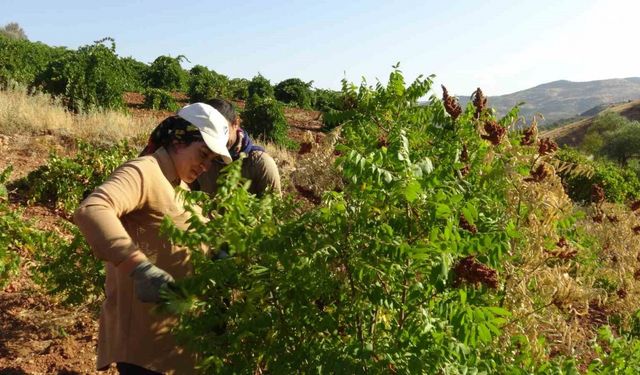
{"x":121,"y":221}
{"x":258,"y":167}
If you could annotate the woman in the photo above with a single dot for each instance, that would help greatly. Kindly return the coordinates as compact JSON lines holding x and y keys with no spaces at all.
{"x":121,"y":220}
{"x":258,"y":167}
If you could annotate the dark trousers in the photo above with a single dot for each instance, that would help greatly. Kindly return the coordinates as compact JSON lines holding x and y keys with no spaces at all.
{"x":129,"y":369}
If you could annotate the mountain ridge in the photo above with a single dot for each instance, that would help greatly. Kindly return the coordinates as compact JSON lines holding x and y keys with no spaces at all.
{"x":562,"y":99}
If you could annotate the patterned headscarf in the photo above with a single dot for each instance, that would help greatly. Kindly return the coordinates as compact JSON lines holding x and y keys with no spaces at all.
{"x":171,"y":128}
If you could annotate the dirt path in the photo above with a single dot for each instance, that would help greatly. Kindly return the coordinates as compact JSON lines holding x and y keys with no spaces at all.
{"x":37,"y":334}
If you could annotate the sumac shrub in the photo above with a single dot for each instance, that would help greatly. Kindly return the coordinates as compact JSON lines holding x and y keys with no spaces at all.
{"x":239,"y":88}
{"x":264,"y":118}
{"x":68,"y":269}
{"x":205,"y":84}
{"x":159,"y":99}
{"x":325,"y":100}
{"x":22,"y":61}
{"x":294,"y":91}
{"x":89,"y":78}
{"x":11,"y":227}
{"x":64,"y":181}
{"x":166,"y":73}
{"x":363,"y":282}
{"x":260,"y":87}
{"x":135,"y":73}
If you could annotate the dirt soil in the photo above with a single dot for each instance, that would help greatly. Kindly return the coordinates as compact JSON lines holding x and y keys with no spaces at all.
{"x":38,"y":335}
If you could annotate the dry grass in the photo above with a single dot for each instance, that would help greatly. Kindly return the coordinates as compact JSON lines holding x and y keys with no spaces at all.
{"x":39,"y":113}
{"x":562,"y":289}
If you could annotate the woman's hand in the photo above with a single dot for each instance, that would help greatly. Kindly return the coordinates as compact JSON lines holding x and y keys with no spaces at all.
{"x":148,"y":280}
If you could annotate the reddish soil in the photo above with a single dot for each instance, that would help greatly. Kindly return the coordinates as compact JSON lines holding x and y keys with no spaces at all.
{"x":38,"y":335}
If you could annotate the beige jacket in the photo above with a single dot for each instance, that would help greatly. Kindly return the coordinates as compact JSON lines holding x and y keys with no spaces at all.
{"x":120,"y":216}
{"x":259,"y":167}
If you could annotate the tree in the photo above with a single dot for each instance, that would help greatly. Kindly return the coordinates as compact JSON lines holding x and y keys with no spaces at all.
{"x":294,"y":91}
{"x":166,"y":73}
{"x":260,"y":87}
{"x":205,"y":84}
{"x":623,"y":144}
{"x":14,"y":31}
{"x":135,"y":73}
{"x":91,"y":77}
{"x":239,"y":88}
{"x":264,"y":118}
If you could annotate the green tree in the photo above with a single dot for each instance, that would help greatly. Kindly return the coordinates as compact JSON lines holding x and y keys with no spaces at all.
{"x":205,"y":84}
{"x":264,"y":118}
{"x":23,"y":61}
{"x":294,"y":91}
{"x":325,"y":100}
{"x":260,"y":87}
{"x":136,"y":73}
{"x":166,"y":73}
{"x":239,"y":88}
{"x":619,"y":184}
{"x":622,"y":144}
{"x":91,"y":77}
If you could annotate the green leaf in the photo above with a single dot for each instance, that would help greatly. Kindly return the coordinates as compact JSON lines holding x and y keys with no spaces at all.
{"x":483,"y":333}
{"x":498,"y":311}
{"x":412,"y":191}
{"x":442,"y":211}
{"x":463,"y":297}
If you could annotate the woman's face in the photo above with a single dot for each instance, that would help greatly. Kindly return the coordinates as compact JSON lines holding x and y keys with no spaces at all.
{"x":233,"y":133}
{"x":191,"y":160}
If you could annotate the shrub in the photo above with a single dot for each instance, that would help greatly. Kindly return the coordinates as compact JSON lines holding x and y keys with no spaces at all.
{"x":619,"y":184}
{"x":10,"y":224}
{"x":64,"y":267}
{"x":205,"y":84}
{"x":260,"y":87}
{"x":159,"y":99}
{"x":64,"y":181}
{"x":68,"y":268}
{"x":264,"y":118}
{"x":23,"y":61}
{"x":91,"y":77}
{"x":166,"y":73}
{"x":325,"y":100}
{"x":135,"y":73}
{"x":362,"y":283}
{"x":239,"y":88}
{"x":294,"y":91}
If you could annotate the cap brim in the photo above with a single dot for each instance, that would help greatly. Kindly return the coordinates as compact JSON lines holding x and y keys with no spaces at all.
{"x":220,"y":149}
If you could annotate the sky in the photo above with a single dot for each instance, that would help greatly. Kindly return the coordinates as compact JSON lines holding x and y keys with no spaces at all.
{"x":502,"y":46}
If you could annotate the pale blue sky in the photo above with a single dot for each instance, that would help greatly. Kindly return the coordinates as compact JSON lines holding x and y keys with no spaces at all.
{"x":500,"y":45}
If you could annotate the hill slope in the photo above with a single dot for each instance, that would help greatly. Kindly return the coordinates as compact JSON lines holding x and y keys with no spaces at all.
{"x":573,"y":133}
{"x":565,"y":99}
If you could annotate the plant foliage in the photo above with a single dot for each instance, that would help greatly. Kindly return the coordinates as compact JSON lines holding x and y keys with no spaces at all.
{"x":365,"y":281}
{"x":205,"y":84}
{"x":260,"y":87}
{"x":264,"y":118}
{"x":294,"y":91}
{"x":159,"y":99}
{"x":89,"y":78}
{"x":166,"y":73}
{"x":64,"y":181}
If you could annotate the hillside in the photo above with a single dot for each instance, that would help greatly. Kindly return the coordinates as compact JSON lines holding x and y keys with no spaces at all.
{"x":572,"y":134}
{"x":565,"y":99}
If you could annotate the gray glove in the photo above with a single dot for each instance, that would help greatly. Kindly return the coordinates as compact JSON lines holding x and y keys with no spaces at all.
{"x":148,"y":280}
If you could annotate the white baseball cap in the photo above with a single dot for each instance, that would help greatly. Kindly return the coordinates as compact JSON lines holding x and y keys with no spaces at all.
{"x":212,"y":125}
